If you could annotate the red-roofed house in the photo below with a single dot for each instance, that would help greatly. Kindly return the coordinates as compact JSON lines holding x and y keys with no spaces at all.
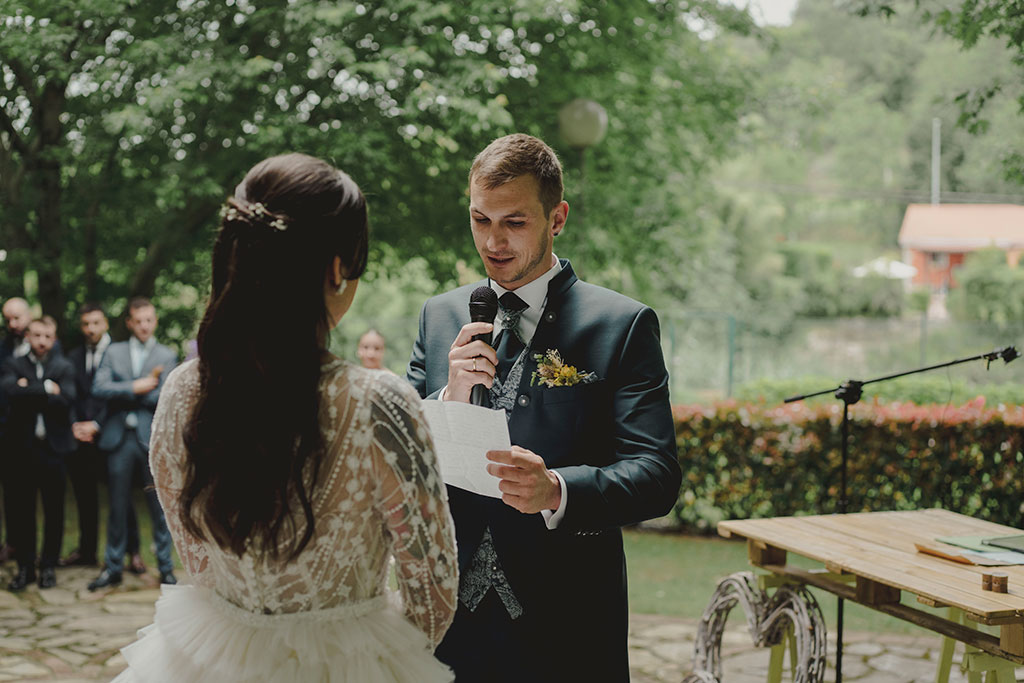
{"x":936,"y":237}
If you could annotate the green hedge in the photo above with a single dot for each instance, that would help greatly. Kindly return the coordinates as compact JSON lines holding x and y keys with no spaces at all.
{"x":744,"y":460}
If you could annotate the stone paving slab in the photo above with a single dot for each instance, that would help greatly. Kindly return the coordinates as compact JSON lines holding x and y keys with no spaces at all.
{"x":70,"y":635}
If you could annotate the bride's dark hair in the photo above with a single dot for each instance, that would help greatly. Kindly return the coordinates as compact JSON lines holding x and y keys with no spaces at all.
{"x":253,"y":439}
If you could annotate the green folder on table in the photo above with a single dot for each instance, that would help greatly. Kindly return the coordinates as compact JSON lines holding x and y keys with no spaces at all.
{"x":986,"y":553}
{"x":975,"y":543}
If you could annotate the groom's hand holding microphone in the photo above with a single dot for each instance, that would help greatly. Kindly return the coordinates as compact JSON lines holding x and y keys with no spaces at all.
{"x":472,"y":362}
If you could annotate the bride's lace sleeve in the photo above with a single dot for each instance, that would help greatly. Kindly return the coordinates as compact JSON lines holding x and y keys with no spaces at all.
{"x":167,"y":457}
{"x":415,"y":506}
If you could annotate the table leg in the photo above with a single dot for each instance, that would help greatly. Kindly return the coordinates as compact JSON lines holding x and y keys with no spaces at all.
{"x":775,"y":662}
{"x":948,"y":645}
{"x":778,"y":655}
{"x":996,"y":669}
{"x":973,"y":674}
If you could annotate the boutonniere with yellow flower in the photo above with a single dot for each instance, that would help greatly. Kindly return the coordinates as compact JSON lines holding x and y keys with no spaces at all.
{"x":552,"y":371}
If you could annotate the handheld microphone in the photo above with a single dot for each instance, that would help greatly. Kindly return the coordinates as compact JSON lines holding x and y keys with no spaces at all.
{"x":483,"y":307}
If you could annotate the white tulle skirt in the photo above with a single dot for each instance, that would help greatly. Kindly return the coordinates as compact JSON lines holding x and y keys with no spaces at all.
{"x":198,"y":636}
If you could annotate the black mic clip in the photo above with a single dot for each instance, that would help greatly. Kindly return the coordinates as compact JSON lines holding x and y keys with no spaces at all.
{"x":849,"y":392}
{"x":1007,"y":353}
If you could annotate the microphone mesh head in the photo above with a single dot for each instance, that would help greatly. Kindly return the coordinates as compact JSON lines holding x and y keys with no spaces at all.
{"x":484,"y":295}
{"x":483,"y":304}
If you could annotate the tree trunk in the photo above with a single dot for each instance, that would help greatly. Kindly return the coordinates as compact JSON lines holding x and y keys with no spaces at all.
{"x":51,"y":224}
{"x":89,"y":257}
{"x":179,"y":229}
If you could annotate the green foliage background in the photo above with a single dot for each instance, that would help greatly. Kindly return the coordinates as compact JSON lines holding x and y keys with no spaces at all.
{"x":747,"y":460}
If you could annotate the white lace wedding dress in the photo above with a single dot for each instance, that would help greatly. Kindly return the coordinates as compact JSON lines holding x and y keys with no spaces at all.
{"x":328,"y":615}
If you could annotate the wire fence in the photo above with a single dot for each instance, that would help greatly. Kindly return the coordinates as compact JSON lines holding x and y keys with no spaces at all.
{"x":712,"y":355}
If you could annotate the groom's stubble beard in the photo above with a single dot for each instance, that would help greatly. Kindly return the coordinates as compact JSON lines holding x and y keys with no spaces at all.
{"x":543,"y":248}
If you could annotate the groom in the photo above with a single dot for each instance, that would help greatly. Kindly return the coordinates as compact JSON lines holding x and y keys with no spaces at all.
{"x":542,"y":593}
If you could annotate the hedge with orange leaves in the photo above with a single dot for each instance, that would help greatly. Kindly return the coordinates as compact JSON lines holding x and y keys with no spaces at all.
{"x":743,"y":460}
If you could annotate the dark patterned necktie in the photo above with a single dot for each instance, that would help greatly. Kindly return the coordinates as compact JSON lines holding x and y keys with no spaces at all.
{"x":510,"y":343}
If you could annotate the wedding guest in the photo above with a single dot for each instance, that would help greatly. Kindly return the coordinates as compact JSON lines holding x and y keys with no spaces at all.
{"x":129,"y":378}
{"x":17,"y":315}
{"x":85,"y":466}
{"x":290,"y":477}
{"x":578,"y":370}
{"x":371,"y":349}
{"x":41,"y":388}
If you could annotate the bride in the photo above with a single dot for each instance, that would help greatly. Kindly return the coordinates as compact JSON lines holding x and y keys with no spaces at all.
{"x":290,"y":477}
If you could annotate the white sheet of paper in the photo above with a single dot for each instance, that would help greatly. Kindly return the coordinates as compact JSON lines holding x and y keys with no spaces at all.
{"x":463,"y":433}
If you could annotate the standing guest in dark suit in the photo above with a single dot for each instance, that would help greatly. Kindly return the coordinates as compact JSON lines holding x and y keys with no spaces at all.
{"x":542,"y":591}
{"x":85,"y":466}
{"x":41,"y":388}
{"x":129,"y":379}
{"x":17,"y":316}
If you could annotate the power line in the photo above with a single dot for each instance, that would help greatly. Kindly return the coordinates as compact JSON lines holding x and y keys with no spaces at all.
{"x":878,"y":194}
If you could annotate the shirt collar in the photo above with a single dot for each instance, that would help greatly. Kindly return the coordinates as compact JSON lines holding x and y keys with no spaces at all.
{"x":533,"y":293}
{"x":102,"y":344}
{"x":139,"y":346}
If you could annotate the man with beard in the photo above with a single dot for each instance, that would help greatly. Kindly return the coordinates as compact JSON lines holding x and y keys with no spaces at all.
{"x":41,"y":389}
{"x":85,"y":466}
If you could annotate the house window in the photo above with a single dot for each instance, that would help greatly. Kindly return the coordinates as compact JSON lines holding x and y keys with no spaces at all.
{"x":938,"y":259}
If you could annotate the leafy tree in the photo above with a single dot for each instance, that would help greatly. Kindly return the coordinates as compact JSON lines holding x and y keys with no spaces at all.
{"x":123,"y":124}
{"x":972,"y":23}
{"x":989,"y":290}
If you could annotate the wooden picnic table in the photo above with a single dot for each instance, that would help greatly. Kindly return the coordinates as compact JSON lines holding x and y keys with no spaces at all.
{"x":870,"y":558}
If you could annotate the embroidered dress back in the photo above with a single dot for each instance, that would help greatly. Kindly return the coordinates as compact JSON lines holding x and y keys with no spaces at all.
{"x":327,"y":614}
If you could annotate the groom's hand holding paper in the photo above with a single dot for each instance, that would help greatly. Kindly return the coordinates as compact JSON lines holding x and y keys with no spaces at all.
{"x":463,"y":435}
{"x":526,"y":483}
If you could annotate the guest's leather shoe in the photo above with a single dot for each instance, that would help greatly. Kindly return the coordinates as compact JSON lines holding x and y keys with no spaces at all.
{"x":22,"y":579}
{"x":105,"y":579}
{"x":136,"y":565}
{"x":168,"y":578}
{"x":77,"y":559}
{"x":47,"y":577}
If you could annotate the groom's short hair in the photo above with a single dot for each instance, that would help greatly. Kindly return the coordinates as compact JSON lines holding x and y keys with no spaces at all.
{"x":512,"y":156}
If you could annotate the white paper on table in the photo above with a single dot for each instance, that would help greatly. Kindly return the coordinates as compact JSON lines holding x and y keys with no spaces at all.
{"x":463,"y":433}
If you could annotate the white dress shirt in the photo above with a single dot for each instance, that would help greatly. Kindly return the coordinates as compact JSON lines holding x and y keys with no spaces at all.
{"x":138,"y":352}
{"x":94,"y":354}
{"x":49,"y":386}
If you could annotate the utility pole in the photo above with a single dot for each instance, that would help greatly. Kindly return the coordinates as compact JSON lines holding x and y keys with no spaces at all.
{"x":936,"y":153}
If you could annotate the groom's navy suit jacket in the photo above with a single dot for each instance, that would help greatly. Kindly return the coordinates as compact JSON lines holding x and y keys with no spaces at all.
{"x":613,"y":443}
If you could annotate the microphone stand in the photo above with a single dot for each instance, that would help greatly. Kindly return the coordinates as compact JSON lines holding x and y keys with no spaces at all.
{"x":849,"y":392}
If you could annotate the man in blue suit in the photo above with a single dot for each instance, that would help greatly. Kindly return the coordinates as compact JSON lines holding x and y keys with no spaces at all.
{"x":542,"y":593}
{"x":129,"y":379}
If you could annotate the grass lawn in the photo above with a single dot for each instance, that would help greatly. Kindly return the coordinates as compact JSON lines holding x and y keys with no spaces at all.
{"x":675,"y":575}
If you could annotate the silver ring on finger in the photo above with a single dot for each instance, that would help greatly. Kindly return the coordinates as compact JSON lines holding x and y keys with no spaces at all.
{"x":474,"y":365}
